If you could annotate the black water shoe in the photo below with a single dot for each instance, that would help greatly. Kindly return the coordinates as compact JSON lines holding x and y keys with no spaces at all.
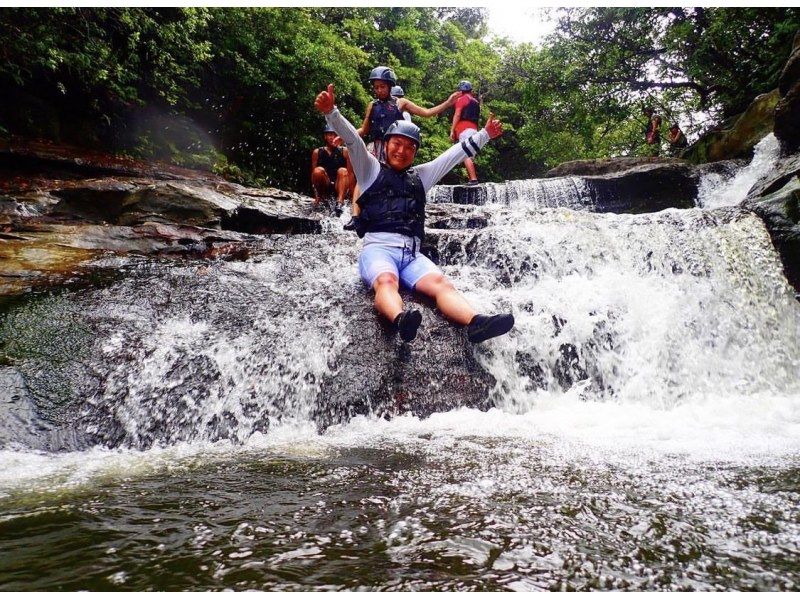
{"x":472,"y":182}
{"x":407,"y":324}
{"x":482,"y":328}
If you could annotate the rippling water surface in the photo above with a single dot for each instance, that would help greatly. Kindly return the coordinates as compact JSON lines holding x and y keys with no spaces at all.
{"x":463,"y":500}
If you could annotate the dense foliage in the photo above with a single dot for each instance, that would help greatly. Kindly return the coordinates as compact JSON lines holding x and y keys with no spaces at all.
{"x":233,"y":88}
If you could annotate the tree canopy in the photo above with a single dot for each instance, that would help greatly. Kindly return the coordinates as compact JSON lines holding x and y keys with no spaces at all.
{"x":233,"y":88}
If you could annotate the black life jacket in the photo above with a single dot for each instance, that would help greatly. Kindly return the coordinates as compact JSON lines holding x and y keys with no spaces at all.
{"x":331,"y":162}
{"x":471,"y":111}
{"x":394,"y":203}
{"x":384,"y":113}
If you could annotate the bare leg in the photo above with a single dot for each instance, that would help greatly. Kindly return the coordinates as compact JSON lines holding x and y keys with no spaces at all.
{"x":355,"y":210}
{"x":321,"y":184}
{"x":387,"y":296}
{"x":449,"y":301}
{"x":342,"y":184}
{"x":471,"y":171}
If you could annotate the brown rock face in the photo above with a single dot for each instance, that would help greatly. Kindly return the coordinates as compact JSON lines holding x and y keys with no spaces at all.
{"x":739,"y":138}
{"x":62,"y":208}
{"x":603,"y":166}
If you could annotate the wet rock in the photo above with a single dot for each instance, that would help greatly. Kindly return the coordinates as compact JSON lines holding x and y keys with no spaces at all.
{"x":454,"y":216}
{"x":787,"y":111}
{"x":472,"y":195}
{"x":381,"y":375}
{"x":133,"y":201}
{"x":784,"y":170}
{"x":602,"y":166}
{"x":780,"y":212}
{"x":646,"y":188}
{"x":20,"y":425}
{"x":44,"y":254}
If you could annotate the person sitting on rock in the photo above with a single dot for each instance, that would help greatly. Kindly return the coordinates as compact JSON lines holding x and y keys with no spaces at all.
{"x":677,"y":140}
{"x":331,"y":172}
{"x":392,"y":223}
{"x":465,"y":124}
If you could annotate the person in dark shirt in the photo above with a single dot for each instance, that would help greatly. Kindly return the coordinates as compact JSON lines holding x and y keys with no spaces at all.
{"x":677,"y":140}
{"x":392,"y":223}
{"x":331,"y":172}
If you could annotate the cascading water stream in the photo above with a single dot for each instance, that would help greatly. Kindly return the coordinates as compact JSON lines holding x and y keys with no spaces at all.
{"x":717,"y":190}
{"x":643,"y":433}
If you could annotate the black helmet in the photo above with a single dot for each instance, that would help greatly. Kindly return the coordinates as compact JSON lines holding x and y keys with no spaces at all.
{"x":398,"y":92}
{"x":328,"y":129}
{"x":465,"y":86}
{"x":674,"y":126}
{"x":404,"y":128}
{"x":383,"y":73}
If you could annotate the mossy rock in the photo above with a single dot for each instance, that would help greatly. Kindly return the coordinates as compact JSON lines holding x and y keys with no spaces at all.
{"x":739,"y":138}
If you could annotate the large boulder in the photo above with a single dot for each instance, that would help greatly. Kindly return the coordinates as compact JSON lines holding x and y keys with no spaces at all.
{"x":380,"y":375}
{"x":780,"y":212}
{"x":787,"y":111}
{"x":601,"y":166}
{"x":44,"y":254}
{"x":739,"y":135}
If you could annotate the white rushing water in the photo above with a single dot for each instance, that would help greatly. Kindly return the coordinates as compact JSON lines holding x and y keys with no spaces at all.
{"x":667,"y":332}
{"x":717,"y":190}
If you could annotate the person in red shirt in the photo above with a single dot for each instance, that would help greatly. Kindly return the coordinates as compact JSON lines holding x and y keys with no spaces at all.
{"x":465,"y":124}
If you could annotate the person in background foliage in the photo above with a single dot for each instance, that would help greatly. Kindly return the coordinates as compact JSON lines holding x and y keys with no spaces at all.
{"x":677,"y":140}
{"x":392,"y":223}
{"x":331,"y":172}
{"x":465,"y":123}
{"x":653,"y":132}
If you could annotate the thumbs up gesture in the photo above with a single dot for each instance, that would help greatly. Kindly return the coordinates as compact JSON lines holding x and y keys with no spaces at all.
{"x":326,"y":100}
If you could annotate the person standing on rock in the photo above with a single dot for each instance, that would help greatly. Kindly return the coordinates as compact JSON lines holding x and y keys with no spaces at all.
{"x":465,"y":124}
{"x":331,"y":172}
{"x":676,"y":138}
{"x":653,"y":133}
{"x":398,"y":92}
{"x":392,"y":223}
{"x":386,"y":109}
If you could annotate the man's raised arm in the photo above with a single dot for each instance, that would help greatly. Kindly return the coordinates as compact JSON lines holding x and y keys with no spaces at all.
{"x":431,"y":172}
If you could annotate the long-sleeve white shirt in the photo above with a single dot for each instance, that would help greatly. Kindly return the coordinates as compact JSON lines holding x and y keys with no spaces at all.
{"x":366,"y":167}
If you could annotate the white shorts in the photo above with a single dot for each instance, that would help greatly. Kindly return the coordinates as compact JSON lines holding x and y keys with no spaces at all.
{"x":377,"y":259}
{"x":466,"y":134}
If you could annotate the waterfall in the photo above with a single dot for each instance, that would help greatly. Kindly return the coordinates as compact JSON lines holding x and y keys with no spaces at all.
{"x":648,"y":309}
{"x":716,"y":189}
{"x":657,"y":310}
{"x":564,"y":192}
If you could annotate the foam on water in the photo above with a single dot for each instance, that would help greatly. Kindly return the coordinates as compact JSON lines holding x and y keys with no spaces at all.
{"x":644,"y":336}
{"x":717,"y":190}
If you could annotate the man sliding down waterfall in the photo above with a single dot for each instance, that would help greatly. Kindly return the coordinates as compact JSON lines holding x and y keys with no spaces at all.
{"x":392,"y":223}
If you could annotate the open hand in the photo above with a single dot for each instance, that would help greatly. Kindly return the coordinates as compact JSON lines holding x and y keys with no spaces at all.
{"x":494,"y":127}
{"x":326,"y":100}
{"x":453,"y":97}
